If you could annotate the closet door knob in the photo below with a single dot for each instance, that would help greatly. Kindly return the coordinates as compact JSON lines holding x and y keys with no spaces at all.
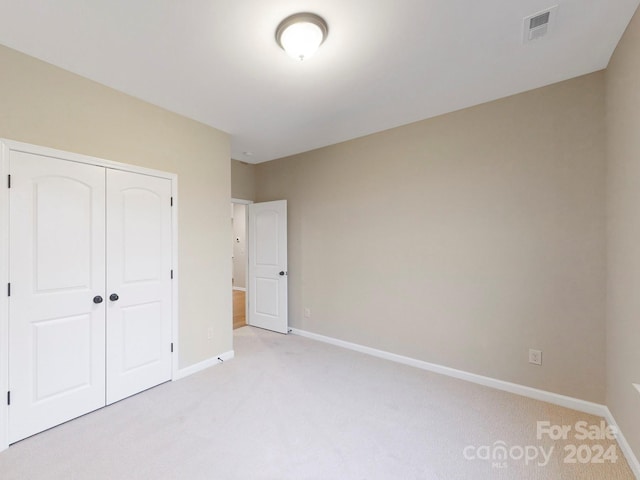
{"x":113,"y":297}
{"x":97,"y":299}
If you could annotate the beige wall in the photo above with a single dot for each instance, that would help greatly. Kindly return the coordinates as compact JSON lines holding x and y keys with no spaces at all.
{"x":45,"y":105}
{"x":623,"y":203}
{"x":462,"y":240}
{"x":243,"y":180}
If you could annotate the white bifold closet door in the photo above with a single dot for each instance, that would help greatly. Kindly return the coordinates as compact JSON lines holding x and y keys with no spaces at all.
{"x":80,"y":234}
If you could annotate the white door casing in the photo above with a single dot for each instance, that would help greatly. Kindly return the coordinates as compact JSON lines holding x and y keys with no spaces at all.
{"x":56,"y":266}
{"x":268,"y":276}
{"x":138,"y":293}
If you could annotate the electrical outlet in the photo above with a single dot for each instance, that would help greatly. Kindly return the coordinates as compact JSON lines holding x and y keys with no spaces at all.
{"x":209,"y":333}
{"x":637,"y":386}
{"x":535,"y":356}
{"x":307,"y":312}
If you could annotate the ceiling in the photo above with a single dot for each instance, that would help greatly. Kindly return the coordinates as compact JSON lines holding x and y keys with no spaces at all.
{"x":385,"y":63}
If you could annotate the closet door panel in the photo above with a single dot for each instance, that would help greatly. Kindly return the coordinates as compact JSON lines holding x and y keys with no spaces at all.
{"x":56,"y":268}
{"x":138,"y":283}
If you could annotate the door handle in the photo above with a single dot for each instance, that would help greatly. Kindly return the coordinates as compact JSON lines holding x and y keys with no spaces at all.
{"x":282,"y":274}
{"x":97,"y":299}
{"x":114,"y":297}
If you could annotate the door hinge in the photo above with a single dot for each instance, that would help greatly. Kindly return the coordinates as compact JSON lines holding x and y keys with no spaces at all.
{"x":9,"y":181}
{"x":171,"y":274}
{"x":8,"y":289}
{"x":171,"y":347}
{"x":172,"y":201}
{"x":8,"y":398}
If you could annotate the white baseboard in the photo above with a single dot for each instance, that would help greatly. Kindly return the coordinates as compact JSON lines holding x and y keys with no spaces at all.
{"x":198,"y":367}
{"x":537,"y":394}
{"x":242,"y":289}
{"x":624,"y":445}
{"x":556,"y":399}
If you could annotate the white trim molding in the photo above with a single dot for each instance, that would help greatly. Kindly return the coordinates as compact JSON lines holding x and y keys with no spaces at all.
{"x":537,"y":394}
{"x":624,"y":445}
{"x":210,"y":362}
{"x":241,"y":201}
{"x":556,"y":399}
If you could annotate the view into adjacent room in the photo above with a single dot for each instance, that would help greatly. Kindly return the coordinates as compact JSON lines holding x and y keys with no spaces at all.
{"x":239,"y":260}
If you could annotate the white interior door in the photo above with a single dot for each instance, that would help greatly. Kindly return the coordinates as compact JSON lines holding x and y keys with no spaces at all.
{"x":56,"y":268}
{"x":138,"y":283}
{"x":268,"y":266}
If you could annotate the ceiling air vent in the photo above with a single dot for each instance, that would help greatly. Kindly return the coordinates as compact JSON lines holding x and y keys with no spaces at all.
{"x":539,"y":24}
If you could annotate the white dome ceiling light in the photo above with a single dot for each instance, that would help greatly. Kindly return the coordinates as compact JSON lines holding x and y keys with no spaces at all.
{"x":301,"y":34}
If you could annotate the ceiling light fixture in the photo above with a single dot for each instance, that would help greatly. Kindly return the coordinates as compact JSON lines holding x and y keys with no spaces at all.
{"x":301,"y":34}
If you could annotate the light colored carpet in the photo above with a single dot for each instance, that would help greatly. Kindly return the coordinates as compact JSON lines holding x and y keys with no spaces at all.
{"x":291,"y":408}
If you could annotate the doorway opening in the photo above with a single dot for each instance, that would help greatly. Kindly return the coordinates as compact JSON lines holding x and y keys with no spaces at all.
{"x":239,"y":218}
{"x":259,"y":258}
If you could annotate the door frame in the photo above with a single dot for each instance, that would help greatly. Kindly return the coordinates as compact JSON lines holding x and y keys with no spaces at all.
{"x":6,"y":146}
{"x":246,"y":203}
